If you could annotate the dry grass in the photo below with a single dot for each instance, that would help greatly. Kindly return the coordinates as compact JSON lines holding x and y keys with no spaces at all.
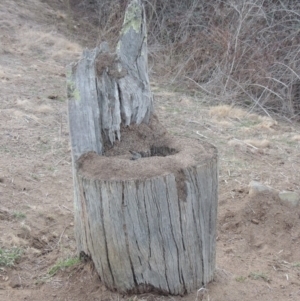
{"x":40,"y":41}
{"x":2,"y":74}
{"x":253,"y":143}
{"x":233,"y":51}
{"x":26,"y":106}
{"x":225,"y":114}
{"x":22,"y":115}
{"x":44,"y":109}
{"x":266,"y":123}
{"x":223,"y":111}
{"x":264,"y":143}
{"x":49,"y":44}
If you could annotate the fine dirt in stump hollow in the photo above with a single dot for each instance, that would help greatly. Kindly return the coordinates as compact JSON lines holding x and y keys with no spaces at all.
{"x":258,"y":239}
{"x":145,"y":151}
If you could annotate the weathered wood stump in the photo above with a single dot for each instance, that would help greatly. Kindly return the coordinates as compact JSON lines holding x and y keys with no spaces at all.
{"x":150,"y":223}
{"x":145,"y":202}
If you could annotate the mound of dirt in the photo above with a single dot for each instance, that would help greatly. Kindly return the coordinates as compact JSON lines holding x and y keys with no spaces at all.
{"x":265,"y":224}
{"x":258,"y":244}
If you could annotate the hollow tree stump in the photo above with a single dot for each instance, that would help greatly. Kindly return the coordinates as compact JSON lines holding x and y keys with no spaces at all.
{"x":145,"y":202}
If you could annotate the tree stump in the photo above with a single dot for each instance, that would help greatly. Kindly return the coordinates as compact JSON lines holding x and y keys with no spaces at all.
{"x":145,"y":202}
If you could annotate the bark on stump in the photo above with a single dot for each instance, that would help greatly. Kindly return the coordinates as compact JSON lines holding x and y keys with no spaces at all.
{"x":145,"y":203}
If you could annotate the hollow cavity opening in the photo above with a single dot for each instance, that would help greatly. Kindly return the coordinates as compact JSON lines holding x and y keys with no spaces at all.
{"x":160,"y":151}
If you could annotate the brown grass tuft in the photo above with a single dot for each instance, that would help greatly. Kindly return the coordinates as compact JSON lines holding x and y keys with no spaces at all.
{"x":19,"y":114}
{"x":266,"y":123}
{"x":264,"y":143}
{"x":223,"y":111}
{"x":296,"y":138}
{"x":235,"y":142}
{"x":2,"y":74}
{"x":61,"y":15}
{"x":224,"y":123}
{"x":24,"y":103}
{"x":49,"y":44}
{"x":44,"y":109}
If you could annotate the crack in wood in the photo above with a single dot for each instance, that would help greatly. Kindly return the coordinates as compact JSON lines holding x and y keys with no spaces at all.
{"x":126,"y":238}
{"x":105,"y":242}
{"x":159,"y":216}
{"x":172,"y":227}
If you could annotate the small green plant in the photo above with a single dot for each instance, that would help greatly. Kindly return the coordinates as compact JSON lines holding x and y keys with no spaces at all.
{"x":248,"y":123}
{"x":63,"y":264}
{"x":8,"y":257}
{"x":35,"y":177}
{"x":19,"y":215}
{"x":291,"y":142}
{"x":51,"y":168}
{"x":4,"y":149}
{"x":296,"y":265}
{"x":259,"y":275}
{"x":61,"y":99}
{"x":240,"y":278}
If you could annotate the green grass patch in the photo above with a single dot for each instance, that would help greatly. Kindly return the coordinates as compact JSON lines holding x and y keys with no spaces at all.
{"x":8,"y":257}
{"x":35,"y":177}
{"x":248,"y":123}
{"x":19,"y":215}
{"x":63,"y":264}
{"x":51,"y":168}
{"x":259,"y":275}
{"x":291,"y":142}
{"x":296,"y":265}
{"x":240,"y":279}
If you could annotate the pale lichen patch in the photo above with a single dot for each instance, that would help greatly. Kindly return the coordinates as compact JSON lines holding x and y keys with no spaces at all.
{"x":72,"y":91}
{"x":133,"y":17}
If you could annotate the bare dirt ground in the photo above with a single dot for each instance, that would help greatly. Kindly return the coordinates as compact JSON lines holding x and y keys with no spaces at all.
{"x":258,"y":243}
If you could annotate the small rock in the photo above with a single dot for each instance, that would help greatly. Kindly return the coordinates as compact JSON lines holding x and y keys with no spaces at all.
{"x":289,"y":197}
{"x":15,"y":281}
{"x":53,"y":96}
{"x":135,"y":155}
{"x":255,"y":221}
{"x":257,"y":187}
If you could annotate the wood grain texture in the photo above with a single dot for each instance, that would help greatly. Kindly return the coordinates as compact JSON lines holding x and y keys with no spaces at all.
{"x":142,"y":236}
{"x":83,"y":106}
{"x":109,"y":89}
{"x":133,"y":55}
{"x":105,"y":91}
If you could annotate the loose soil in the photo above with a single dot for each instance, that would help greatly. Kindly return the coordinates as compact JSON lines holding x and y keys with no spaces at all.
{"x":258,"y":252}
{"x":160,"y":154}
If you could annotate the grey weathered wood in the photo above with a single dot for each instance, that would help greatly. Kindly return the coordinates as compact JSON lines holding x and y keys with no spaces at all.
{"x":107,"y":90}
{"x":83,"y":106}
{"x":143,"y":235}
{"x":134,"y":59}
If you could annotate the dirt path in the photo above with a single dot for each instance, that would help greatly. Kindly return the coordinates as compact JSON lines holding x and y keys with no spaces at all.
{"x":258,"y":252}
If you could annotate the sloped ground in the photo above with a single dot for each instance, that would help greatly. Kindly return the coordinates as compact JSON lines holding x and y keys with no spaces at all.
{"x":258,"y":252}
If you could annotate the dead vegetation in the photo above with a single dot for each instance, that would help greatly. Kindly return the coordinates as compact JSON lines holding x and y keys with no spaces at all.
{"x":244,"y":52}
{"x":236,"y":52}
